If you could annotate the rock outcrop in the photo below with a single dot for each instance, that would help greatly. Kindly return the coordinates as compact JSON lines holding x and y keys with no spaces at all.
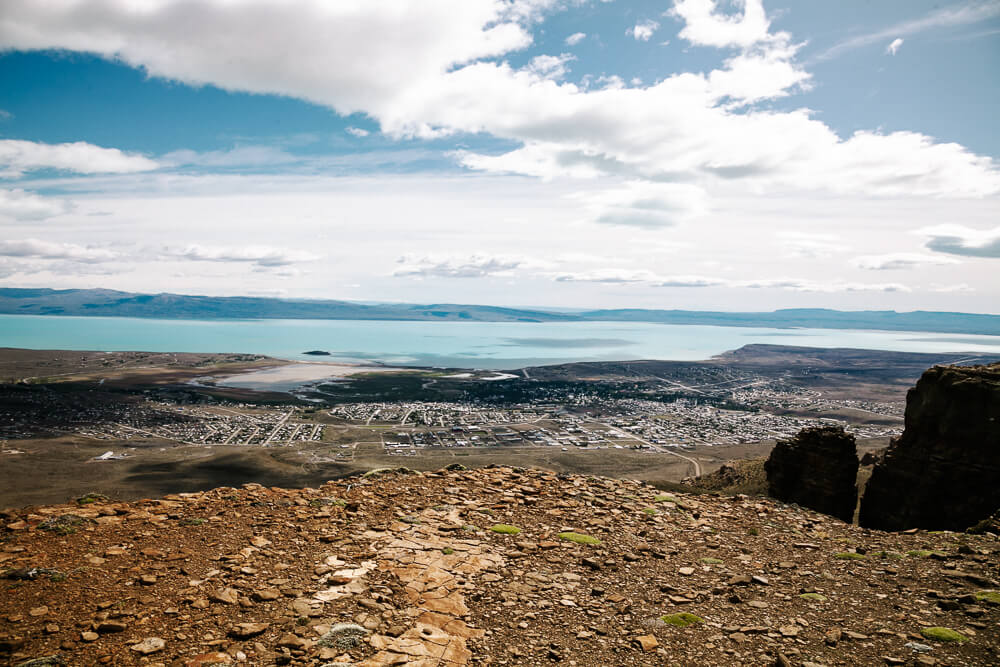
{"x":818,"y":469}
{"x":944,"y":471}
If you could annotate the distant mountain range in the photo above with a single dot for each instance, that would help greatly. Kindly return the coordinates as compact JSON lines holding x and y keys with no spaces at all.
{"x":111,"y":303}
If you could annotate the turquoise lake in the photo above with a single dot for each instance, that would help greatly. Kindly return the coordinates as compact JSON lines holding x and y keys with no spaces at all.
{"x":487,"y":345}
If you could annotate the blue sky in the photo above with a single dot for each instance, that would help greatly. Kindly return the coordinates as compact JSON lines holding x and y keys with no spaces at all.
{"x":694,"y":154}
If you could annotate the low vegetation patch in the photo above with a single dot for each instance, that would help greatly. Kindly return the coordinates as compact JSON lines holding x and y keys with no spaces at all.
{"x":849,"y":555}
{"x":681,"y":620}
{"x":939,"y":634}
{"x":710,"y":561}
{"x":92,"y":498}
{"x":67,"y":524}
{"x":505,"y":529}
{"x":924,"y":553}
{"x":343,"y":636}
{"x":989,"y":597}
{"x":192,"y":521}
{"x":813,"y":597}
{"x":579,"y":538}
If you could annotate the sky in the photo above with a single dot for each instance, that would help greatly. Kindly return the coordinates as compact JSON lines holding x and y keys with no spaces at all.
{"x":695,"y":154}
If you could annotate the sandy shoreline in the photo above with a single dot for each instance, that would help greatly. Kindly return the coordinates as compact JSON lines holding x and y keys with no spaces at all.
{"x":294,"y":374}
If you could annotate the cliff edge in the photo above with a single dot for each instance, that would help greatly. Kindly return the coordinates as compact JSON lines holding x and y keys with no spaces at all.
{"x":943,"y":472}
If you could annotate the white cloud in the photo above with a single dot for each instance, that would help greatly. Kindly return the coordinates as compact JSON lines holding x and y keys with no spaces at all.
{"x":575,"y":38}
{"x":550,"y":67}
{"x":645,"y":204}
{"x":608,"y":276}
{"x":797,"y":285}
{"x":38,"y":249}
{"x":17,"y":157}
{"x":643,"y":30}
{"x":900,"y":260}
{"x":21,"y":205}
{"x":261,"y":256}
{"x":443,"y":75}
{"x":691,"y":281}
{"x":951,"y":289}
{"x":810,"y":245}
{"x":894,"y":46}
{"x":351,"y":55}
{"x":473,"y":266}
{"x":650,"y":279}
{"x":704,"y":26}
{"x":241,"y":156}
{"x":972,"y":12}
{"x":962,"y":240}
{"x":357,"y":131}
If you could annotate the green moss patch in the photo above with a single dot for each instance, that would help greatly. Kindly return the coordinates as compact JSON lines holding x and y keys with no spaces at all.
{"x":848,"y":555}
{"x":924,"y":553}
{"x":681,"y":620}
{"x":67,"y":524}
{"x":505,"y":529}
{"x":943,"y":635}
{"x":650,"y":510}
{"x":579,"y":538}
{"x":813,"y":597}
{"x":91,"y":498}
{"x":710,"y":561}
{"x":447,"y":551}
{"x":990,"y":597}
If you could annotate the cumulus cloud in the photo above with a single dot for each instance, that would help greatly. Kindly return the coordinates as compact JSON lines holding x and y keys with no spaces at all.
{"x":643,"y":30}
{"x":332,"y":53}
{"x":900,"y":260}
{"x":550,"y":67}
{"x":575,"y":38}
{"x":260,"y":256}
{"x":962,"y":240}
{"x":446,"y":73}
{"x":705,"y":26}
{"x":38,"y":249}
{"x":894,"y":46}
{"x":357,"y":131}
{"x":473,"y":266}
{"x":18,"y":156}
{"x":21,"y":205}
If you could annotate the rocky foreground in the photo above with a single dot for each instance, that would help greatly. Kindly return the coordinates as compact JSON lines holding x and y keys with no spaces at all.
{"x":495,"y":566}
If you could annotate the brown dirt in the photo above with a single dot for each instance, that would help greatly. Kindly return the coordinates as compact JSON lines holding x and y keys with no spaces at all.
{"x":412,"y":560}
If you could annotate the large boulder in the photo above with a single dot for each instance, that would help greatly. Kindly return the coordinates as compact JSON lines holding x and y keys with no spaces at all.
{"x":943,"y":473}
{"x":818,"y":469}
